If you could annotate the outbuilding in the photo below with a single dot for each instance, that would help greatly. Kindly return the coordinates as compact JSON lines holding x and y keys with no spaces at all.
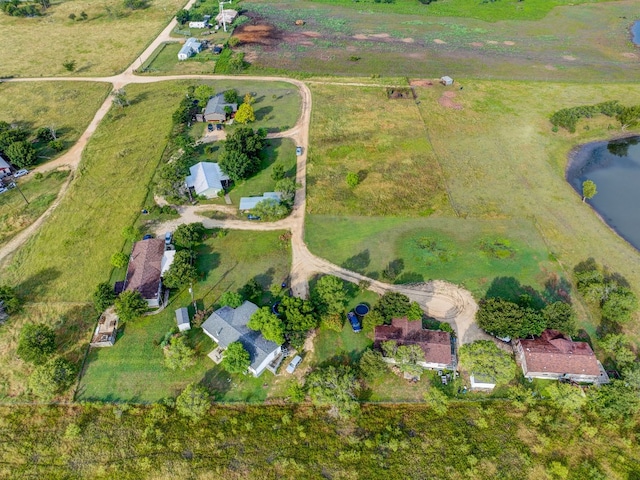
{"x":190,"y":47}
{"x":481,"y":381}
{"x":182,"y":319}
{"x":446,"y":81}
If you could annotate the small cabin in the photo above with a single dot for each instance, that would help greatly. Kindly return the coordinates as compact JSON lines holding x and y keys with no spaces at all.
{"x":446,"y":81}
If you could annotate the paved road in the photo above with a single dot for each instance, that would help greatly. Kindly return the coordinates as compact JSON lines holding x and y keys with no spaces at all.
{"x":441,"y":300}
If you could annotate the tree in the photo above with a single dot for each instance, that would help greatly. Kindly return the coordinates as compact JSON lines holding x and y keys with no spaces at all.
{"x":69,"y":65}
{"x":57,"y":145}
{"x":119,"y":259}
{"x":236,"y":63}
{"x":10,"y":298}
{"x":36,"y":343}
{"x":336,"y":387}
{"x":252,"y":291}
{"x":236,"y":358}
{"x":178,"y":355}
{"x":372,"y":320}
{"x":119,"y":98}
{"x":44,"y":134}
{"x":188,"y":235}
{"x":353,"y":179}
{"x":617,"y":346}
{"x":193,"y":402}
{"x":371,"y":364}
{"x":287,"y":188}
{"x":407,"y":358}
{"x":483,"y":356}
{"x":566,"y":397}
{"x":203,"y":93}
{"x":231,"y":299}
{"x":245,"y":114}
{"x":230,"y":96}
{"x":22,"y":154}
{"x":437,"y":401}
{"x":588,"y":190}
{"x":271,"y":327}
{"x":237,"y":165}
{"x":393,"y":305}
{"x":130,"y":305}
{"x":507,"y":319}
{"x":103,"y":296}
{"x":277,"y":173}
{"x":631,"y":375}
{"x":249,"y":99}
{"x":131,"y":233}
{"x":329,"y":296}
{"x":183,"y":16}
{"x":241,"y":155}
{"x":182,"y":270}
{"x":297,"y":314}
{"x":615,"y":400}
{"x":53,"y":378}
{"x":270,"y":210}
{"x":560,"y":316}
{"x":415,"y":311}
{"x":619,"y":305}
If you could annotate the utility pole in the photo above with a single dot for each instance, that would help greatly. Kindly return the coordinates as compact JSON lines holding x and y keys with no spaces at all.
{"x":224,"y":21}
{"x":25,"y":198}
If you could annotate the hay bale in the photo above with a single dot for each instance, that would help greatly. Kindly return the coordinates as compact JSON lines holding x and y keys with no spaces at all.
{"x":299,"y":22}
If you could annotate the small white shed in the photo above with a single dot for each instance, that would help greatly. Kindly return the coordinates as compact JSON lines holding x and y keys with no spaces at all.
{"x":446,"y":81}
{"x":481,"y":381}
{"x":182,"y":319}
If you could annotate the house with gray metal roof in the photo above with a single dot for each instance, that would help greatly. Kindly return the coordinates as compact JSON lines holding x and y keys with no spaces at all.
{"x":207,"y":179}
{"x":216,"y":110}
{"x":227,"y":325}
{"x":249,"y":203}
{"x":190,"y":47}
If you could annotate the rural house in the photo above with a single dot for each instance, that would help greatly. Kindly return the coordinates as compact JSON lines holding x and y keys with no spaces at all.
{"x":216,"y":110}
{"x":207,"y":179}
{"x":144,"y":273}
{"x":249,"y":203}
{"x":437,"y":346}
{"x":226,"y":16}
{"x":190,"y":47}
{"x":554,"y":355}
{"x":5,"y":169}
{"x":227,"y":325}
{"x":204,"y":23}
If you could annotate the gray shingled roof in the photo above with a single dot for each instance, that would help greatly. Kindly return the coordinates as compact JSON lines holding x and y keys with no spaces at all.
{"x":182,"y":316}
{"x":228,"y":325}
{"x":216,"y":104}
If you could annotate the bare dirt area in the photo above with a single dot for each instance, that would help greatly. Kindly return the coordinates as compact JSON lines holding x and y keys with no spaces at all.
{"x":421,"y":83}
{"x":260,"y":32}
{"x":446,"y":100}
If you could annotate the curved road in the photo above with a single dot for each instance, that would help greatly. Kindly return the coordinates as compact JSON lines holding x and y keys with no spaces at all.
{"x":439,"y":299}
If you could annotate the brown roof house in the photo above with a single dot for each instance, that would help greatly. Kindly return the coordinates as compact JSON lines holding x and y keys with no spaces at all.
{"x":437,"y":346}
{"x":554,"y":355}
{"x":147,"y":263}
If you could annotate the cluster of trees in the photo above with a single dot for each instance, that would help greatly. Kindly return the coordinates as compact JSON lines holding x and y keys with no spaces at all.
{"x":20,"y":144}
{"x":271,"y":209}
{"x":607,"y":291}
{"x":183,"y":269}
{"x":240,"y":157}
{"x":53,"y":374}
{"x":178,"y":354}
{"x":389,"y":306}
{"x":17,"y":8}
{"x":503,"y":318}
{"x":483,"y":356}
{"x":567,"y":118}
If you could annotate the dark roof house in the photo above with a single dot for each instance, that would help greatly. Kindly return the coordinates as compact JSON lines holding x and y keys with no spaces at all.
{"x":227,"y":325}
{"x":145,"y":270}
{"x":555,"y":355}
{"x":215,"y":109}
{"x":436,"y":345}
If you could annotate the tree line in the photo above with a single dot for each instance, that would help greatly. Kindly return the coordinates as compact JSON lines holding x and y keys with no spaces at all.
{"x":567,"y":118}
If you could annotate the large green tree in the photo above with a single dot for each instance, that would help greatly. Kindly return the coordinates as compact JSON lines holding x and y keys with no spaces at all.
{"x":336,"y":387}
{"x":393,"y":305}
{"x":178,"y":355}
{"x":619,"y":305}
{"x":236,"y":359}
{"x":271,"y":327}
{"x":203,"y":93}
{"x":507,"y":319}
{"x":22,"y":154}
{"x":617,"y":400}
{"x":241,"y":155}
{"x":483,"y":356}
{"x":299,"y":315}
{"x":53,"y":378}
{"x":103,"y":296}
{"x":245,"y":114}
{"x":193,"y":402}
{"x":36,"y":343}
{"x":182,"y":270}
{"x":270,"y":210}
{"x":130,"y":305}
{"x":329,"y":295}
{"x":230,"y":299}
{"x":188,"y":235}
{"x":560,"y":316}
{"x":566,"y":397}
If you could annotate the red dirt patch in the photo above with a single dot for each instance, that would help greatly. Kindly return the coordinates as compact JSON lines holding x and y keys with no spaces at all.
{"x":421,"y":83}
{"x":258,"y":34}
{"x":446,"y":100}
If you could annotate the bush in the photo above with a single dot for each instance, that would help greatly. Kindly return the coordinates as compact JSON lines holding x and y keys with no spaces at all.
{"x":56,"y":145}
{"x":193,"y":402}
{"x":53,"y":378}
{"x":37,"y":343}
{"x":230,"y":299}
{"x":333,"y":322}
{"x":119,"y":259}
{"x":10,"y":298}
{"x":130,"y":305}
{"x":352,"y":179}
{"x":103,"y":296}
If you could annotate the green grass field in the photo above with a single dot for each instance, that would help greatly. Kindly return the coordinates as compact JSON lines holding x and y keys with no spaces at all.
{"x":106,"y":43}
{"x":45,"y":104}
{"x":133,"y":371}
{"x":360,"y":130}
{"x":40,"y":193}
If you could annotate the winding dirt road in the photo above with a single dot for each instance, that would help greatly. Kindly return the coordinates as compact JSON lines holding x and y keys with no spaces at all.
{"x":439,"y":299}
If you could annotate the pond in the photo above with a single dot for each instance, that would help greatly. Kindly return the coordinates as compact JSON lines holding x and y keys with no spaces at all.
{"x":614,"y":166}
{"x":635,"y":32}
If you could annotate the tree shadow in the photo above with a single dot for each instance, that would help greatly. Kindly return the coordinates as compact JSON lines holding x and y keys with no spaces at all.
{"x":510,"y":289}
{"x":36,"y":285}
{"x":72,"y":329}
{"x":393,"y":269}
{"x":409,"y":277}
{"x":585,"y":266}
{"x":141,"y":97}
{"x":208,"y":260}
{"x":557,"y":289}
{"x":265,"y":279}
{"x":217,"y":380}
{"x":358,"y":263}
{"x":362,"y":175}
{"x":84,"y":68}
{"x":262,"y":112}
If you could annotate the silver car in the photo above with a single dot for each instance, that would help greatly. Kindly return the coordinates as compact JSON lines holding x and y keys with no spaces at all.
{"x":294,"y":363}
{"x":20,"y":173}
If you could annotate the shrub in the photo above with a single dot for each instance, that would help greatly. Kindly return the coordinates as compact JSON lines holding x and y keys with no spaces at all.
{"x":10,"y":298}
{"x":333,"y":322}
{"x":352,"y":179}
{"x":193,"y":402}
{"x":53,"y":378}
{"x":37,"y":343}
{"x":130,"y":305}
{"x":119,"y":259}
{"x":56,"y":145}
{"x":103,"y":296}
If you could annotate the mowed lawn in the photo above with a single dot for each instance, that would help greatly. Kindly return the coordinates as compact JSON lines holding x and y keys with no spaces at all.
{"x":432,"y":249}
{"x":360,"y":130}
{"x":133,"y":369}
{"x":67,"y":106}
{"x":106,"y":43}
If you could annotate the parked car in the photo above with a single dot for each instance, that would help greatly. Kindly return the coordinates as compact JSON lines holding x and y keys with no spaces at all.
{"x":217,"y":50}
{"x":298,"y":151}
{"x":20,"y":173}
{"x":355,"y":323}
{"x":253,"y":217}
{"x":147,"y":237}
{"x":2,"y":189}
{"x":294,"y":364}
{"x":210,"y":127}
{"x":218,"y":126}
{"x":167,"y":238}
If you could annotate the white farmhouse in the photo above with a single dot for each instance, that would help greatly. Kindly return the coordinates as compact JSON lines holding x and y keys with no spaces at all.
{"x":190,"y":47}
